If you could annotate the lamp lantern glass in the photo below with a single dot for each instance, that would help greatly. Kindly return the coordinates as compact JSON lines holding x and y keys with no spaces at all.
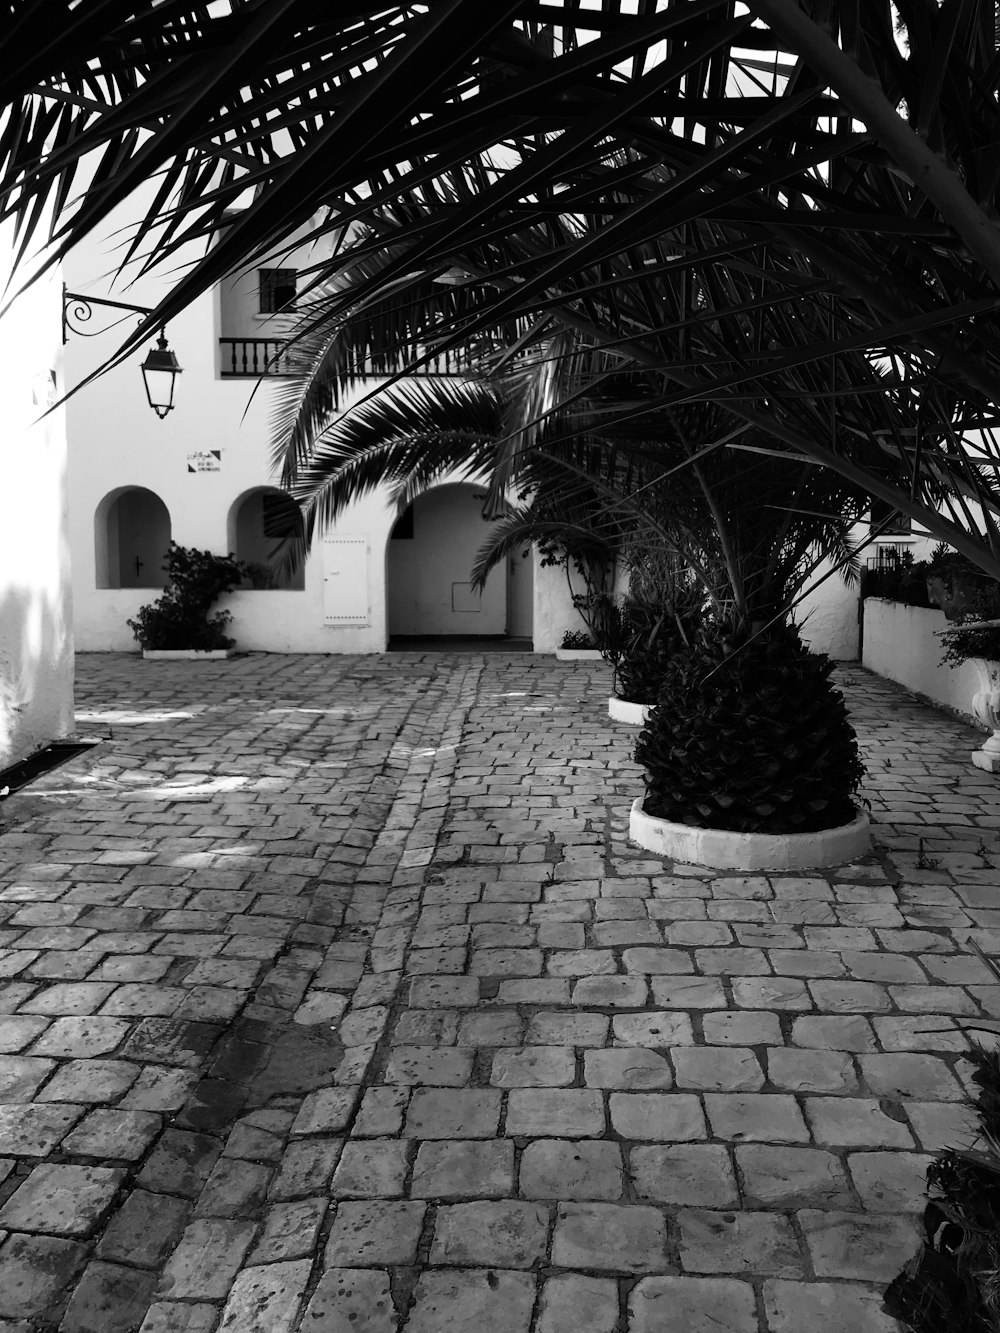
{"x":159,"y":372}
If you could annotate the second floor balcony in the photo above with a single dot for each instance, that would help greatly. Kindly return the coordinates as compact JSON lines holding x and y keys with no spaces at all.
{"x":252,"y":358}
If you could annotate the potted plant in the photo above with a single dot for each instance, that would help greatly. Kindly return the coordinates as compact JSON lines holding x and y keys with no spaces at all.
{"x":656,"y":620}
{"x":975,"y":638}
{"x":178,"y":623}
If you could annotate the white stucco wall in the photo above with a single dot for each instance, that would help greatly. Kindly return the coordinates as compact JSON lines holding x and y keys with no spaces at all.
{"x":902,"y":644}
{"x":36,"y":645}
{"x":828,"y":616}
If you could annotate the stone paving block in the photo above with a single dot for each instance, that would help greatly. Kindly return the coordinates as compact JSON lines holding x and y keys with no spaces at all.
{"x":62,"y":1200}
{"x":689,"y":993}
{"x":499,"y":1028}
{"x":609,"y":992}
{"x":910,"y":1075}
{"x":90,"y":1081}
{"x":825,"y":1307}
{"x":180,"y":1163}
{"x":160,"y":1089}
{"x":306,"y":1167}
{"x":290,"y":1231}
{"x":691,"y":1174}
{"x":811,"y":1071}
{"x":145,"y":1229}
{"x":734,"y":962}
{"x":18,"y":1031}
{"x":175,"y":1317}
{"x":580,"y":962}
{"x":506,"y":1233}
{"x":266,"y":1300}
{"x":940,"y":1125}
{"x":696,"y":1305}
{"x":82,"y":1037}
{"x":855,"y":1122}
{"x":34,"y":1130}
{"x":444,"y":992}
{"x":534,"y":1067}
{"x":771,"y":993}
{"x":36,"y":1273}
{"x":574,"y":1301}
{"x":73,"y":997}
{"x":428,"y":1027}
{"x":555,"y":1112}
{"x":606,"y":1237}
{"x":567,"y":1029}
{"x":459,"y":1113}
{"x":655,"y":1029}
{"x":326,"y":1111}
{"x":466,"y":1301}
{"x":578,"y":1169}
{"x":928,"y":1032}
{"x":730,"y":1069}
{"x":763,"y":1117}
{"x":742,"y":1029}
{"x":235,"y":1188}
{"x":21,"y":1076}
{"x":371,"y":1169}
{"x":431,"y":1066}
{"x":786,"y":1177}
{"x":834,"y":1033}
{"x":890,"y":1182}
{"x":381,"y":1112}
{"x":865,"y":1246}
{"x":208,"y":1257}
{"x":539,"y":991}
{"x":626,"y":1068}
{"x":374,"y":1233}
{"x":464,"y":1169}
{"x":670,"y":1117}
{"x":109,"y":1299}
{"x":746,"y":1243}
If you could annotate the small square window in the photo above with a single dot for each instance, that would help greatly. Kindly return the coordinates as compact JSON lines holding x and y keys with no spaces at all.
{"x":277,"y":290}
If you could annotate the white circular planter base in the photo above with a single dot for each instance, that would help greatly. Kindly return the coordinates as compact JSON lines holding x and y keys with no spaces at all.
{"x":186,"y":654}
{"x":578,"y":655}
{"x":623,"y":711}
{"x":722,"y":850}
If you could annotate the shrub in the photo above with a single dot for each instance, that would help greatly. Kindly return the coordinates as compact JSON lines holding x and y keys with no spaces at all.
{"x":750,"y":736}
{"x":179,"y":618}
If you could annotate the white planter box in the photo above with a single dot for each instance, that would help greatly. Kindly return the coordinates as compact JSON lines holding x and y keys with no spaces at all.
{"x":722,"y":850}
{"x":186,"y":654}
{"x":623,"y":711}
{"x":578,"y":655}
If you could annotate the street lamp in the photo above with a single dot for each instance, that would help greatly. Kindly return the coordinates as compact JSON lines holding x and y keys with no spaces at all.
{"x":160,"y":368}
{"x":159,"y":373}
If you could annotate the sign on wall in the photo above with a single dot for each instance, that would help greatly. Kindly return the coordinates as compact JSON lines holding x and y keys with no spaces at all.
{"x":205,"y":460}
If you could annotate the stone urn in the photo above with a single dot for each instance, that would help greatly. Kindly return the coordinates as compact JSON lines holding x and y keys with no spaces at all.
{"x":986,"y":709}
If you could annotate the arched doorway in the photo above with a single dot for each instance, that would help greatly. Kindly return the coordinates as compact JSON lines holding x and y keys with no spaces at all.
{"x":260,"y":523}
{"x":430,"y":553}
{"x":131,"y":539}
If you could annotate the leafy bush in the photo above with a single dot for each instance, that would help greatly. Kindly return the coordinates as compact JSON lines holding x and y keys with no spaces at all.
{"x":179,"y":618}
{"x":750,"y":736}
{"x":577,"y":640}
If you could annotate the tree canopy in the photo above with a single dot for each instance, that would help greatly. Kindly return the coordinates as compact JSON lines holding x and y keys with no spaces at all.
{"x":787,"y":207}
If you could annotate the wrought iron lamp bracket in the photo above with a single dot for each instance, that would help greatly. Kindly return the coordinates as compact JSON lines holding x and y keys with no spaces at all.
{"x":78,"y":310}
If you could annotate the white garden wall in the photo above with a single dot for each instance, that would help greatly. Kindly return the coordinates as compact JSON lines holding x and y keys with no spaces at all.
{"x":36,"y":642}
{"x":901,"y":643}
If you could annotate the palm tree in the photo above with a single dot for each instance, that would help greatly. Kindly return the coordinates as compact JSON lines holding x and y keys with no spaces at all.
{"x":750,"y":204}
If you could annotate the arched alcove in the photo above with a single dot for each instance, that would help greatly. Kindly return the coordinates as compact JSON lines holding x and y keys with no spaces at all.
{"x":261,"y":523}
{"x":131,"y":539}
{"x":430,"y":553}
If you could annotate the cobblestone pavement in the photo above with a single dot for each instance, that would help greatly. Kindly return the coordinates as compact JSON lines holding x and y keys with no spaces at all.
{"x":335,"y":1000}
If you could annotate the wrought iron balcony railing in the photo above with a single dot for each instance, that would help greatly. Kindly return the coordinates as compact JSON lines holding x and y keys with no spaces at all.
{"x":254,"y":357}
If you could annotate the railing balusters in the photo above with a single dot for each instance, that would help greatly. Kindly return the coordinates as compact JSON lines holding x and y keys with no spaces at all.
{"x":250,"y":358}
